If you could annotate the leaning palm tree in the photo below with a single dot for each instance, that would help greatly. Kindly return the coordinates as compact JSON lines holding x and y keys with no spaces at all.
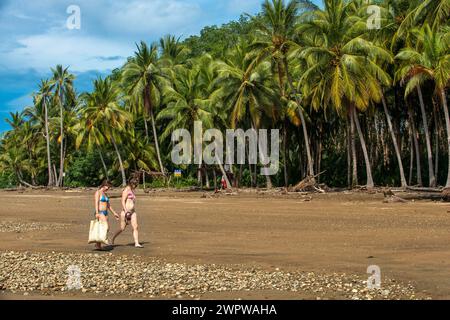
{"x":188,"y":102}
{"x":144,"y":81}
{"x":104,"y":118}
{"x":342,"y":67}
{"x":274,"y":41}
{"x":429,"y":60}
{"x":247,"y":88}
{"x":62,"y":83}
{"x":433,"y":12}
{"x":43,"y":97}
{"x":392,"y":13}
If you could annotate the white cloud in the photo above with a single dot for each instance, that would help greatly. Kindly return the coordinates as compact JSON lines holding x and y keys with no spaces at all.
{"x":109,"y":29}
{"x":151,"y":17}
{"x":243,"y":6}
{"x":81,"y":53}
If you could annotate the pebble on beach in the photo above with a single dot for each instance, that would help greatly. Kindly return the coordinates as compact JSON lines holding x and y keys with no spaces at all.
{"x":153,"y":278}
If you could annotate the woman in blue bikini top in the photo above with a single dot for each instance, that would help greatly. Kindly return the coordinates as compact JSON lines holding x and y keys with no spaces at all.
{"x":103,"y":205}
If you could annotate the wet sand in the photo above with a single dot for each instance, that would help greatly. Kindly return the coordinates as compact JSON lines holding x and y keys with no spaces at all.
{"x":336,"y":232}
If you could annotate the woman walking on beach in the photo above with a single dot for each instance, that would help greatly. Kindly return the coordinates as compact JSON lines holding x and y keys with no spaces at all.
{"x":102,"y":206}
{"x":128,"y":214}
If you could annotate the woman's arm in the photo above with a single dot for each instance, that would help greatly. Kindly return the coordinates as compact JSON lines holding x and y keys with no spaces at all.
{"x":96,"y":204}
{"x":112,"y":210}
{"x":124,"y":199}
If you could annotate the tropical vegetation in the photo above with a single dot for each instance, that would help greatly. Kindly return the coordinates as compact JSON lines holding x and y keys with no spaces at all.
{"x":354,"y":105}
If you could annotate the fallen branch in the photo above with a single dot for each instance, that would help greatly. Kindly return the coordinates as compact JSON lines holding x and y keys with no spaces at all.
{"x":422,"y":189}
{"x":309,"y":183}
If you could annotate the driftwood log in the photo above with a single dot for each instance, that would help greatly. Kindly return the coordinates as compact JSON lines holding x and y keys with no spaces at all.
{"x":308,"y":184}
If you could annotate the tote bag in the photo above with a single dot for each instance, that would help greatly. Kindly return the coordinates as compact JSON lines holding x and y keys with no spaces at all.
{"x":98,"y":232}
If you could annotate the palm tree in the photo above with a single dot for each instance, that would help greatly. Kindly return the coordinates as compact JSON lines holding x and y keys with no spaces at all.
{"x":428,"y":61}
{"x":342,"y":66}
{"x":43,"y":97}
{"x":16,"y":148}
{"x":433,"y":12}
{"x":247,"y":88}
{"x":62,"y":83}
{"x":274,"y":40}
{"x":188,"y":101}
{"x":144,"y":80}
{"x":140,"y":156}
{"x":173,"y":52}
{"x":104,"y":119}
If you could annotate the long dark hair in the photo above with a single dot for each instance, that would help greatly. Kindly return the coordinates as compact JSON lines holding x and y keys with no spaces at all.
{"x":106,"y":183}
{"x":133,"y":181}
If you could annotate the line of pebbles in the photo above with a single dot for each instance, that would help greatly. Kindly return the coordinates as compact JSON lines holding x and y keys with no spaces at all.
{"x":108,"y":275}
{"x":20,"y":227}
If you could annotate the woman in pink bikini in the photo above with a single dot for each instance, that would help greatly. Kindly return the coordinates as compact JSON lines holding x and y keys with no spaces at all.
{"x":128,"y":214}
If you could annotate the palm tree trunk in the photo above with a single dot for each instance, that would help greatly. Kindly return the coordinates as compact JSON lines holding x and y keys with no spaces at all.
{"x":54,"y":173}
{"x":319,"y":157}
{"x":207,"y":179}
{"x":199,"y":175}
{"x":262,"y":156}
{"x":302,"y":119}
{"x":122,"y":170}
{"x":47,"y":138}
{"x":394,"y":141}
{"x":241,"y":168}
{"x":61,"y":158}
{"x":416,"y":146}
{"x":146,"y":127}
{"x":370,"y":183}
{"x":251,"y":174}
{"x":155,"y":136}
{"x":349,"y":156}
{"x":349,"y":153}
{"x":431,"y":175}
{"x":447,"y":126}
{"x":411,"y":158}
{"x":143,"y":178}
{"x":285,"y":156}
{"x":103,"y":163}
{"x":436,"y":140}
{"x":223,"y":172}
{"x":353,"y":145}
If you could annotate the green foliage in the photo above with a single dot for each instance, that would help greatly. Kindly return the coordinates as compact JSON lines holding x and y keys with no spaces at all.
{"x":216,"y":40}
{"x":85,"y":170}
{"x":310,"y":72}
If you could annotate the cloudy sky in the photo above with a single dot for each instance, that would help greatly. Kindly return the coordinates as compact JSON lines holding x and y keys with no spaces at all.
{"x":34,"y":37}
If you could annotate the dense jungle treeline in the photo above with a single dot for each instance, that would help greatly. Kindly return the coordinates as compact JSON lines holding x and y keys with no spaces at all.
{"x":360,"y":105}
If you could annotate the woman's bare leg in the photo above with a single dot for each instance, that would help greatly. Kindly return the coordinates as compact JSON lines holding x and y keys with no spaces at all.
{"x":135,"y":226}
{"x":123,"y":225}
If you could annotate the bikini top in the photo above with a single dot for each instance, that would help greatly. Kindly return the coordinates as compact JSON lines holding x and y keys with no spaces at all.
{"x":131,"y":195}
{"x":104,"y":198}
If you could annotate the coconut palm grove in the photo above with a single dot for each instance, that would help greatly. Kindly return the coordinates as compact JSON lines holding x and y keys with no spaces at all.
{"x":355,"y":105}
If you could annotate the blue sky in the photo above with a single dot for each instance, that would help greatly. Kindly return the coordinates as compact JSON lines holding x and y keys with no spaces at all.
{"x":34,"y":37}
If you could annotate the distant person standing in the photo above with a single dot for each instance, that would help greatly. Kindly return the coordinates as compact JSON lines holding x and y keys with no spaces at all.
{"x":128,"y":214}
{"x":223,"y":183}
